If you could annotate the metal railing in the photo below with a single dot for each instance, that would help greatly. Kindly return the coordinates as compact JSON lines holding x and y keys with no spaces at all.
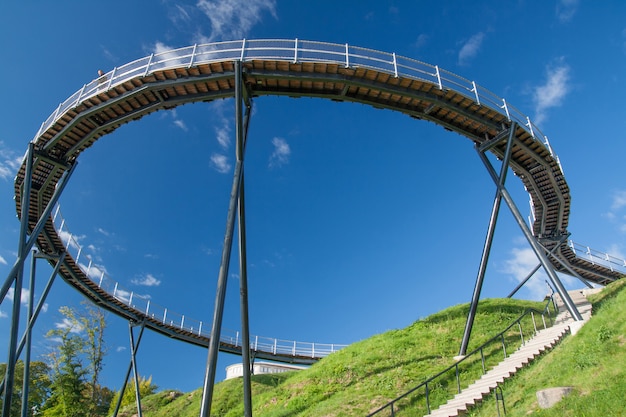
{"x":598,"y":258}
{"x":439,"y":388}
{"x":297,"y":51}
{"x":144,"y":307}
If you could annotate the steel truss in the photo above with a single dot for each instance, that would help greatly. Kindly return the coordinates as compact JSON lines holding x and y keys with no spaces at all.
{"x":540,"y":251}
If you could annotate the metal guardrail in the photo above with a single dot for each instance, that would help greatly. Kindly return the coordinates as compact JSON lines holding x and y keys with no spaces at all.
{"x":598,"y":258}
{"x":144,"y":307}
{"x":297,"y":51}
{"x":428,"y":388}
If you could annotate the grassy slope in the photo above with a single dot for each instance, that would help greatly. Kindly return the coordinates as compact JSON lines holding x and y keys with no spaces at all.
{"x":592,"y":362}
{"x":361,"y":377}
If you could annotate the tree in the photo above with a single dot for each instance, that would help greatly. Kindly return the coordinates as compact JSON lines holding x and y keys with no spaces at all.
{"x":38,"y":389}
{"x":146,"y":387}
{"x":76,"y":363}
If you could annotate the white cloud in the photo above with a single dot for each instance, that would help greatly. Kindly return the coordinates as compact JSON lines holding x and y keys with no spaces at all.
{"x":3,"y":261}
{"x":67,"y":324}
{"x":220,"y":163}
{"x":180,"y":124}
{"x":233,"y":19}
{"x":147,"y":280}
{"x":471,"y":48}
{"x":281,"y":153}
{"x":3,"y":315}
{"x":565,"y":10}
{"x":121,"y":349}
{"x":23,"y":298}
{"x":619,"y":200}
{"x":553,"y":91}
{"x":421,"y":40}
{"x":521,"y":263}
{"x":9,"y":162}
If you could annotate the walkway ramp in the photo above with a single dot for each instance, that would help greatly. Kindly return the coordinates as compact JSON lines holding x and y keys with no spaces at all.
{"x":543,"y":340}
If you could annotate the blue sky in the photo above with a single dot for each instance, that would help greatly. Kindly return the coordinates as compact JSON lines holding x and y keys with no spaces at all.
{"x":359,"y":220}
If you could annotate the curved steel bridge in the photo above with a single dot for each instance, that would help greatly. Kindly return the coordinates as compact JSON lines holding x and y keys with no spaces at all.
{"x":288,"y":68}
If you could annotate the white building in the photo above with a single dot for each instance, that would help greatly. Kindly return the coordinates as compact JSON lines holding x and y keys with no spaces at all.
{"x":260,"y":368}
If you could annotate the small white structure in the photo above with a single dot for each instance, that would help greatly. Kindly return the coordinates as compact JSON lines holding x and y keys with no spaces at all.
{"x":260,"y":368}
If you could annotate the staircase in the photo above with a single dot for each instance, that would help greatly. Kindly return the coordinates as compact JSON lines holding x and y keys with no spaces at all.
{"x":542,"y":341}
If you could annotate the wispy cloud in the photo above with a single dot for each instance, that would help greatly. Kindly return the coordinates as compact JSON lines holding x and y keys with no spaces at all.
{"x":422,"y":40}
{"x":553,"y":91}
{"x":566,"y":9}
{"x":67,"y":324}
{"x":471,"y":47}
{"x":3,"y":315}
{"x":220,"y":163}
{"x":23,"y":298}
{"x":147,"y":280}
{"x":233,"y":19}
{"x":9,"y":162}
{"x":521,"y":263}
{"x":3,"y":261}
{"x":281,"y":153}
{"x":615,"y":213}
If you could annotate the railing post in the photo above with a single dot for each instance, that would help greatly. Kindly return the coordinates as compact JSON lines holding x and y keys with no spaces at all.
{"x":111,"y":79}
{"x":427,"y":395}
{"x":147,"y":307}
{"x":506,"y":109}
{"x":438,"y":77}
{"x":521,"y":334}
{"x":482,"y":359}
{"x":148,"y":65}
{"x":164,"y":315}
{"x":347,"y":57}
{"x":475,"y":90}
{"x":503,"y":345}
{"x":243,"y":48}
{"x":193,"y":54}
{"x":295,"y":52}
{"x":458,"y":377}
{"x":532,"y":315}
{"x":395,"y":66}
{"x":294,"y":349}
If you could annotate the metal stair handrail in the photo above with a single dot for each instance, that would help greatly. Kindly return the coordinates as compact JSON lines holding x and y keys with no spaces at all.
{"x":550,"y":301}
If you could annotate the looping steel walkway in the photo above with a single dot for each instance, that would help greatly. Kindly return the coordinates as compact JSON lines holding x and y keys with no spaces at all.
{"x":291,"y":68}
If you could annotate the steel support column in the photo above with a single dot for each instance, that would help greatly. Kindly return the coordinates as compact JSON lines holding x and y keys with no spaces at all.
{"x":214,"y":342}
{"x":243,"y":291}
{"x":537,"y":248}
{"x":19,"y":263}
{"x":31,"y":301}
{"x":133,"y":361}
{"x":40,"y":305}
{"x":488,"y":240}
{"x":130,"y":367}
{"x":17,"y":292}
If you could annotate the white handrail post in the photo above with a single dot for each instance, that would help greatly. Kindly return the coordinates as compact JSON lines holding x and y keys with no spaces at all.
{"x":243,"y":48}
{"x":148,"y":64}
{"x":164,"y":315}
{"x":115,"y":290}
{"x":101,"y":278}
{"x":293,"y":352}
{"x":275,"y":342}
{"x":475,"y":90}
{"x":256,"y":342}
{"x":82,"y":90}
{"x":237,"y":338}
{"x":347,"y":56}
{"x":147,"y":307}
{"x":182,"y":322}
{"x":395,"y":66}
{"x":193,"y":54}
{"x":506,"y":109}
{"x":88,"y":268}
{"x":438,"y":77}
{"x":530,"y":126}
{"x":130,"y":299}
{"x":312,"y":350}
{"x":111,"y":79}
{"x":200,"y":329}
{"x":295,"y":52}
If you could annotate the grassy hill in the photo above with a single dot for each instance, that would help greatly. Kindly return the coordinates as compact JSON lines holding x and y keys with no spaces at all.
{"x":367,"y":374}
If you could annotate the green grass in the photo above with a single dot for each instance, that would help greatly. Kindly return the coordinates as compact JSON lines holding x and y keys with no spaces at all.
{"x":366,"y":375}
{"x":592,"y":362}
